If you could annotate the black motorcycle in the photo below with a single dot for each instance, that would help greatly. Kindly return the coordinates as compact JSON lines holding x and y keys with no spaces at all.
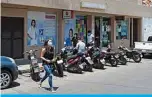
{"x":34,"y":67}
{"x":58,"y":66}
{"x":121,"y":58}
{"x":95,"y":55}
{"x":131,"y":54}
{"x":110,"y":58}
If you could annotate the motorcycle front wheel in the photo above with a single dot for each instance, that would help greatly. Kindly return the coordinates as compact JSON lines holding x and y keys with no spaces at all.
{"x":113,"y":62}
{"x":60,"y":70}
{"x":34,"y":76}
{"x":123,"y":60}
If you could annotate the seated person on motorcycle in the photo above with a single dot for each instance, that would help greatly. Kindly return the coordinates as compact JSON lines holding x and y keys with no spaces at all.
{"x":81,"y":47}
{"x":47,"y":55}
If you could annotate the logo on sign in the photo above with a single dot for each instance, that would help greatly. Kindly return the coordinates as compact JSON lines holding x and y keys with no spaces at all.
{"x":67,"y":14}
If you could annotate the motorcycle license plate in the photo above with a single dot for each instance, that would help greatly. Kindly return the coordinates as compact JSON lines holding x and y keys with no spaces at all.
{"x":102,"y":61}
{"x":81,"y":65}
{"x":36,"y":70}
{"x":34,"y":61}
{"x":60,"y":61}
{"x":89,"y":60}
{"x":32,"y":57}
{"x":117,"y":56}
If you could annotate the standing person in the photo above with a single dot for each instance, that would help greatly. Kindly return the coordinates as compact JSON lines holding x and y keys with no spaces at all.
{"x":90,"y":37}
{"x":69,"y":39}
{"x":32,"y":33}
{"x":75,"y":40}
{"x":47,"y":55}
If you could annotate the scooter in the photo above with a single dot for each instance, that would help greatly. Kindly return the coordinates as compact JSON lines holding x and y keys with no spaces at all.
{"x":34,"y":67}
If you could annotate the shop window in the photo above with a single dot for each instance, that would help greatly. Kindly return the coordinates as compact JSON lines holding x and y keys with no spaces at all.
{"x":122,"y":29}
{"x":106,"y":30}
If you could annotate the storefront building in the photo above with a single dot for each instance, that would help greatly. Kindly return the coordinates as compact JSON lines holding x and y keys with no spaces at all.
{"x":26,"y":24}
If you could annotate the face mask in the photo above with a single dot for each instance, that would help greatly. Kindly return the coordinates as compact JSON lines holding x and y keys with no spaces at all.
{"x":50,"y":43}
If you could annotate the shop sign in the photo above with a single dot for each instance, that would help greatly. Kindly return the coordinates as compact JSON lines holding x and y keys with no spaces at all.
{"x":147,"y":3}
{"x":67,"y":14}
{"x":93,"y":5}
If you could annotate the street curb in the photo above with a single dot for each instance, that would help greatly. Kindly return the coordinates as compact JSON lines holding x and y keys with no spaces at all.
{"x":24,"y":71}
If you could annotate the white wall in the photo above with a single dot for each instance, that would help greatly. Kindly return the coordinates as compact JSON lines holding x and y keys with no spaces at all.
{"x":146,"y":28}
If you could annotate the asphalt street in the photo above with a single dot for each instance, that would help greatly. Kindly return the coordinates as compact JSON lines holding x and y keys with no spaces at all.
{"x":132,"y":78}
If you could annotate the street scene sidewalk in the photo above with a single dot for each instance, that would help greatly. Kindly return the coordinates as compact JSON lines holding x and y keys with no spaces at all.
{"x":133,"y":78}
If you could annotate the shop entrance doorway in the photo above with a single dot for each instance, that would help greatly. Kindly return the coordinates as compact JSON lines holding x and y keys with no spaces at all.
{"x":12,"y":37}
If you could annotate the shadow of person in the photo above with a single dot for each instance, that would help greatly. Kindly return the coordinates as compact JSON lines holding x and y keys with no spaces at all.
{"x":49,"y":89}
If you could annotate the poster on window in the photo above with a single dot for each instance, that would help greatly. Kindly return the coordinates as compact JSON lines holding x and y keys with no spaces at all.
{"x":69,"y":25}
{"x":41,"y":27}
{"x":122,"y":30}
{"x":147,"y":28}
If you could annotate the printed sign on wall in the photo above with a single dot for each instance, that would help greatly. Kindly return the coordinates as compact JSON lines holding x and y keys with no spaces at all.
{"x":41,"y":27}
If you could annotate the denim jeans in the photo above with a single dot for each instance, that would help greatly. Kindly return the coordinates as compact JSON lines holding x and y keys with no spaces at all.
{"x":48,"y":73}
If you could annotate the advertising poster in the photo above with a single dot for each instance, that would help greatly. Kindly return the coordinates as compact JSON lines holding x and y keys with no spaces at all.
{"x":147,"y":28}
{"x":122,"y":30}
{"x":41,"y":27}
{"x":69,"y":25}
{"x":81,"y":26}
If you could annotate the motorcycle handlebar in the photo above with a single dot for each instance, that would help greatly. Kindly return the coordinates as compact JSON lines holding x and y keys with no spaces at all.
{"x":29,"y":51}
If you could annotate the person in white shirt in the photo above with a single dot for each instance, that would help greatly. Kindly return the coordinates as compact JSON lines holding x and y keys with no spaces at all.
{"x":32,"y":33}
{"x":80,"y":46}
{"x":90,"y":37}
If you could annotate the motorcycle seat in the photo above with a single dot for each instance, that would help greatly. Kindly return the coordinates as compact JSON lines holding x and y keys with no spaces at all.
{"x":110,"y":53}
{"x":71,"y":57}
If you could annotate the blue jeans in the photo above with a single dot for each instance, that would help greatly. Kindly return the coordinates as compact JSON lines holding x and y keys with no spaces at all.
{"x":48,"y":73}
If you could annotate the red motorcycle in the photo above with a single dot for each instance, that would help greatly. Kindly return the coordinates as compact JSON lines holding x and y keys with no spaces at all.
{"x":71,"y":61}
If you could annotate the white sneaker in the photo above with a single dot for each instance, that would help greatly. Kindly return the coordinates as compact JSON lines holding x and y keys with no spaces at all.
{"x":40,"y":85}
{"x":52,"y":90}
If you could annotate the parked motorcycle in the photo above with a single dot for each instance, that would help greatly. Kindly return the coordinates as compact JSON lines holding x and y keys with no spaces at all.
{"x":96,"y":57}
{"x":121,"y":58}
{"x":34,"y":67}
{"x":110,"y":57}
{"x":58,"y":66}
{"x":131,"y":54}
{"x":71,"y":62}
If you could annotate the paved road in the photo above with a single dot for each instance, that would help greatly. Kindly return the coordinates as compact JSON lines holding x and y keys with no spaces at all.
{"x":130,"y":79}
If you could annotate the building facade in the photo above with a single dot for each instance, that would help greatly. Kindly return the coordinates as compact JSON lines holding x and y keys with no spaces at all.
{"x":27,"y":23}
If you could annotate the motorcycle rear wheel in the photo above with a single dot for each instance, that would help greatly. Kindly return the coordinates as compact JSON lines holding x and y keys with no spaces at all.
{"x":137,"y":58}
{"x":113,"y":62}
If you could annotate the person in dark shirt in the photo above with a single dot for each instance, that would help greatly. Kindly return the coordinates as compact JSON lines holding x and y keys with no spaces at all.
{"x":75,"y":40}
{"x":47,"y":55}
